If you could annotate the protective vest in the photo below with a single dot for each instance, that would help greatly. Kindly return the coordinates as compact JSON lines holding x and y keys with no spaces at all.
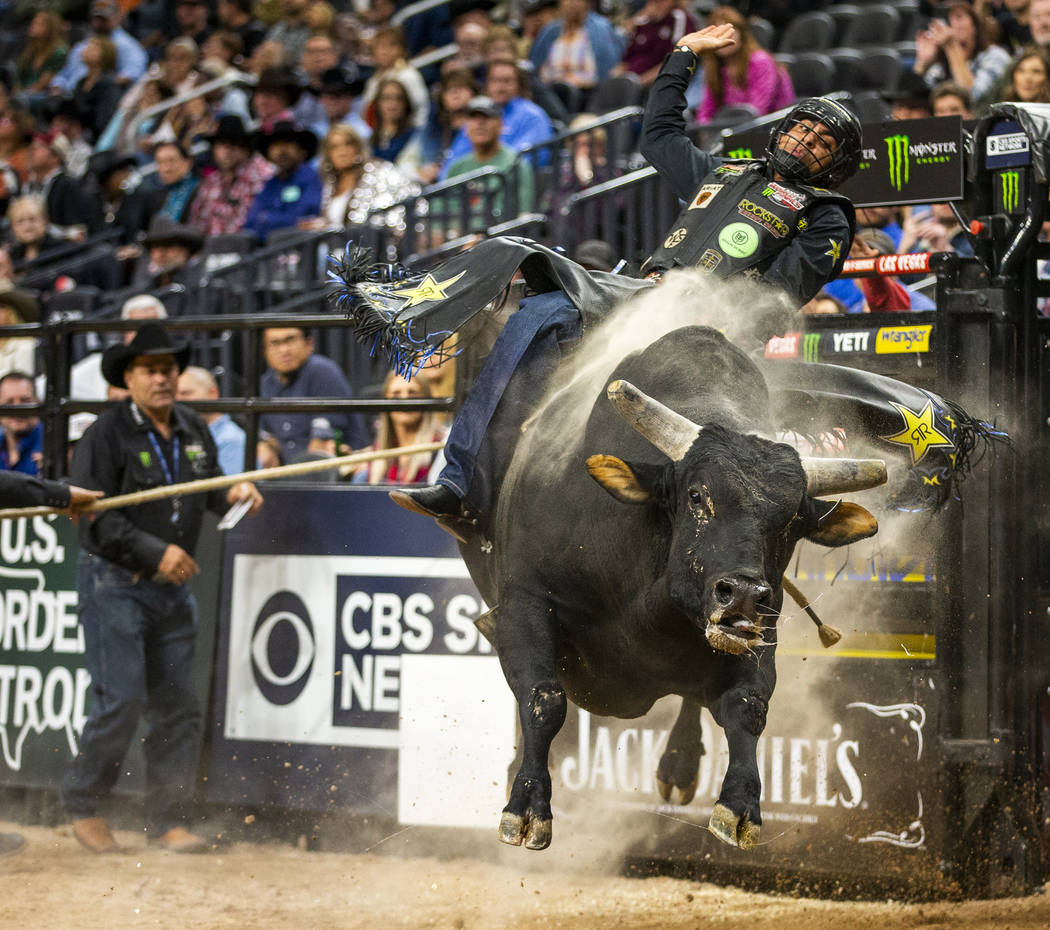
{"x":739,"y":219}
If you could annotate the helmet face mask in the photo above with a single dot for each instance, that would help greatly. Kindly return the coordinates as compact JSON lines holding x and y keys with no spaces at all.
{"x":831,"y":154}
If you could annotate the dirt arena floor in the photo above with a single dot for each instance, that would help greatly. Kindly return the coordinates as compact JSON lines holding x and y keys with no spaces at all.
{"x":54,"y":884}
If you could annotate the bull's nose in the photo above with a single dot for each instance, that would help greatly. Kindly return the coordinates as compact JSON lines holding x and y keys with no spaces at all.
{"x":738,"y":594}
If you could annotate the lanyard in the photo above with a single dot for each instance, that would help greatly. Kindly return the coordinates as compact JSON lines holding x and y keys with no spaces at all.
{"x":169,"y":478}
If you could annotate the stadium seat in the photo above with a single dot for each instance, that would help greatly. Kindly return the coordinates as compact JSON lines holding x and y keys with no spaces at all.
{"x":912,"y":20}
{"x":614,"y":93}
{"x":857,"y":70}
{"x":812,"y":74}
{"x":874,"y":24}
{"x":223,"y":250}
{"x":842,"y":14}
{"x":764,"y":32}
{"x":871,"y":107}
{"x":810,"y":32}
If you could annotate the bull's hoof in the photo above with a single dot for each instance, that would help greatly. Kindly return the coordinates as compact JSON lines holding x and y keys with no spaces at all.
{"x":515,"y":829}
{"x":735,"y":831}
{"x":686,"y":793}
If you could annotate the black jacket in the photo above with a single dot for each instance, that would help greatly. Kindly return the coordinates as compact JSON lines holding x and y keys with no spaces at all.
{"x":19,"y":490}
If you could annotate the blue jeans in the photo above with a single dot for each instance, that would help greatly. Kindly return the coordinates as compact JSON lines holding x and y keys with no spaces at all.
{"x":483,"y":436}
{"x":139,"y":639}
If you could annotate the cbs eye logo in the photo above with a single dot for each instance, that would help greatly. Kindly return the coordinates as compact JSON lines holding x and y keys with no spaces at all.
{"x":283,"y":648}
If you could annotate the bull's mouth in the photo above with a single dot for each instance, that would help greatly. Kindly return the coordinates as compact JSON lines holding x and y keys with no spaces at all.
{"x":733,"y":634}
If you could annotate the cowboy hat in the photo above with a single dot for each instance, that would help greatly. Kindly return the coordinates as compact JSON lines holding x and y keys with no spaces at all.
{"x":24,"y":302}
{"x":231,"y":130}
{"x":103,"y":164}
{"x":163,"y":229}
{"x":287,"y":131}
{"x":281,"y":80}
{"x":151,"y":339}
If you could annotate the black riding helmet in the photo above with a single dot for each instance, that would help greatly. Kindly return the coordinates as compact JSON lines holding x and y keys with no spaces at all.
{"x":844,"y":126}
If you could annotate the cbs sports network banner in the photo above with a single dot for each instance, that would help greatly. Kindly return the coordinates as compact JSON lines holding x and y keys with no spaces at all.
{"x":350,"y":676}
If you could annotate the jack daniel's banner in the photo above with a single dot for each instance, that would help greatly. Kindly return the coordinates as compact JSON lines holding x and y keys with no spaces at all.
{"x":903,"y":161}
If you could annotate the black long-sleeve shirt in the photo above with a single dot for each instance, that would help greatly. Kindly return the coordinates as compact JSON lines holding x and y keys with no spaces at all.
{"x":20,"y":490}
{"x":116,"y":455}
{"x":810,"y":259}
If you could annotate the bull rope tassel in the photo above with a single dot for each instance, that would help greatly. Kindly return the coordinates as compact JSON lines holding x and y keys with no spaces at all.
{"x":829,"y":635}
{"x":345,"y":464}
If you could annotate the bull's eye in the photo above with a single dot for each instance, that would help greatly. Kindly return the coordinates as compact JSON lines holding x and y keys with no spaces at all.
{"x":700,"y":501}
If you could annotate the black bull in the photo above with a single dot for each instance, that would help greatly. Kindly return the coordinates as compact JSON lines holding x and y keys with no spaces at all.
{"x":624,"y":571}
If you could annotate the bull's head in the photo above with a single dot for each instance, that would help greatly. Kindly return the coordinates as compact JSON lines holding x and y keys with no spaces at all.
{"x":738,"y":504}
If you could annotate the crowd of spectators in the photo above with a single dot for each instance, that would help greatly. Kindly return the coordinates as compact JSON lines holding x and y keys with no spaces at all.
{"x":106,"y":135}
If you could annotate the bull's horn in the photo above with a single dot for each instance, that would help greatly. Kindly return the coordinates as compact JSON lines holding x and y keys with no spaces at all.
{"x":834,"y":476}
{"x":670,"y":432}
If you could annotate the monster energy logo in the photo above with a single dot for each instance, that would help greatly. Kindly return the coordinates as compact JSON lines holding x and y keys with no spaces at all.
{"x":1011,"y":183}
{"x":810,"y":345}
{"x":897,"y":149}
{"x":739,"y":153}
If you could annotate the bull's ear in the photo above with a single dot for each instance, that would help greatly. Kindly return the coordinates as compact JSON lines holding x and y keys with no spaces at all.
{"x":839,"y":523}
{"x":618,"y":478}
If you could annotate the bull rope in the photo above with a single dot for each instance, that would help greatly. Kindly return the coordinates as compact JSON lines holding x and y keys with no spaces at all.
{"x":202,"y":485}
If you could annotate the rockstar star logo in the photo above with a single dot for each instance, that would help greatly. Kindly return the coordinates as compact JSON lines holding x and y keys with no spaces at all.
{"x":803,"y":224}
{"x":919,"y":432}
{"x":427,"y":290}
{"x":835,"y":251}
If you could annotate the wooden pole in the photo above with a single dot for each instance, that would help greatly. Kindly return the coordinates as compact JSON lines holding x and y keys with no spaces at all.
{"x":203,"y":485}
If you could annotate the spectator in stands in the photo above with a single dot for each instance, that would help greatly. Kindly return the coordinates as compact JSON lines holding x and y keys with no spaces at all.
{"x":43,"y":56}
{"x":276,"y":92}
{"x":223,"y":45}
{"x":959,"y":50}
{"x":1011,"y":17}
{"x":934,"y":230}
{"x":881,"y":292}
{"x":576,"y":51}
{"x":652,"y":34}
{"x":105,"y":22}
{"x":173,"y":249}
{"x":396,"y":137}
{"x":178,"y":67}
{"x":236,"y":15}
{"x":16,"y":129}
{"x":295,"y":370}
{"x":448,"y":115}
{"x":911,"y":97}
{"x":197,"y":383}
{"x":129,"y":131}
{"x":355,"y":185}
{"x":337,"y":95}
{"x":73,"y":210}
{"x":293,"y":193}
{"x":98,"y":90}
{"x":397,"y":428}
{"x":1039,"y":23}
{"x":389,"y":57}
{"x":949,"y":99}
{"x":27,"y":217}
{"x":69,"y":119}
{"x":536,"y":15}
{"x":191,"y":21}
{"x":320,"y":17}
{"x":222,"y":201}
{"x":484,"y":126}
{"x":126,"y":204}
{"x":178,"y":177}
{"x":501,"y":42}
{"x":319,"y":57}
{"x":524,"y":123}
{"x":21,"y":437}
{"x":267,"y":451}
{"x":292,"y":29}
{"x":17,"y":306}
{"x":1028,"y":79}
{"x":742,"y":73}
{"x":824,"y":305}
{"x":470,"y":39}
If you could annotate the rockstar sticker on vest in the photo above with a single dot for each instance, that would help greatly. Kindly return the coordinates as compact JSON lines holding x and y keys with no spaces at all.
{"x":793,"y":200}
{"x":704,"y":196}
{"x":710,"y":260}
{"x":730,"y":169}
{"x":676,"y":238}
{"x":763,"y":217}
{"x":739,"y":240}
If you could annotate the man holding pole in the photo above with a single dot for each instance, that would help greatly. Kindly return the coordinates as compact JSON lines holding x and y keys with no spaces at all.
{"x":139,"y":619}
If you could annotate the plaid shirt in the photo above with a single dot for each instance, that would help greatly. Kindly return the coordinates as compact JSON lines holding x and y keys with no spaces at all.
{"x":218,"y":209}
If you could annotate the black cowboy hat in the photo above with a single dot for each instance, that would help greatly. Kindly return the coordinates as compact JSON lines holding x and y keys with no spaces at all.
{"x":103,"y":164}
{"x":24,"y":302}
{"x":283,"y":131}
{"x":341,"y":80}
{"x":151,"y":339}
{"x":911,"y":88}
{"x":282,"y":80}
{"x":164,"y":229}
{"x":231,"y":130}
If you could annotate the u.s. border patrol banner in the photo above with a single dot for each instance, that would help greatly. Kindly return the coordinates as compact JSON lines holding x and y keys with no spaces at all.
{"x":44,"y":687}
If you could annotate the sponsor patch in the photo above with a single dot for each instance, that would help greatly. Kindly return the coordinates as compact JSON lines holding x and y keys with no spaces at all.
{"x":429,"y":289}
{"x":899,"y":340}
{"x":785,"y":196}
{"x":920,"y":432}
{"x":731,"y":169}
{"x":763,"y":217}
{"x":811,"y":347}
{"x":704,"y":196}
{"x":710,"y":260}
{"x":739,"y":240}
{"x":146,"y":459}
{"x":1009,"y":144}
{"x":785,"y":346}
{"x":675,"y":239}
{"x":857,"y":340}
{"x":835,"y":252}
